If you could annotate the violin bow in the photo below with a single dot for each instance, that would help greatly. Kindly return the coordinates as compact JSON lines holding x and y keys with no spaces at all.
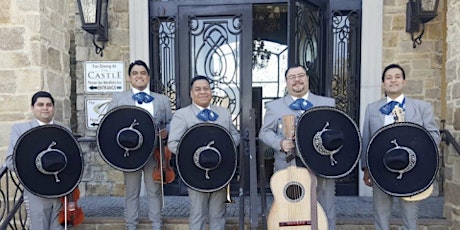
{"x":160,"y":145}
{"x":65,"y":212}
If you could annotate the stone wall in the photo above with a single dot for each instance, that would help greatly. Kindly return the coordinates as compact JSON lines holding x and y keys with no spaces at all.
{"x":432,"y":70}
{"x":36,"y":37}
{"x":423,"y":64}
{"x":34,"y":55}
{"x":98,"y":177}
{"x":452,"y":158}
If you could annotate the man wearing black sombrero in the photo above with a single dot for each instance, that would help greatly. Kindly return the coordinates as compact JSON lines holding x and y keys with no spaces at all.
{"x":393,"y":161}
{"x":298,"y":100}
{"x":43,"y":212}
{"x":159,"y":107}
{"x":204,"y":167}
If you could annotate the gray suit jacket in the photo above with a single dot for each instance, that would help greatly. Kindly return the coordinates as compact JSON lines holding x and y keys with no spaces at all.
{"x":161,"y":105}
{"x":271,"y":132}
{"x":16,"y":131}
{"x":416,"y":111}
{"x":185,"y":118}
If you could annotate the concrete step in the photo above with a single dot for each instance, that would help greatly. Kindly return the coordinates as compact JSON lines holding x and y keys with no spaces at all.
{"x":181,"y":223}
{"x":353,"y":213}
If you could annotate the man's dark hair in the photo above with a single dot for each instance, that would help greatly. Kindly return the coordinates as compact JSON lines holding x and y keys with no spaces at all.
{"x":41,"y":94}
{"x":295,"y":66}
{"x":391,"y":66}
{"x":199,"y":77}
{"x":138,"y":62}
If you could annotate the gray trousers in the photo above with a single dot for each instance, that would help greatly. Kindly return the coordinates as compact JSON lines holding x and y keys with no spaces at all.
{"x":382,"y":211}
{"x":43,"y":212}
{"x":133,"y":188}
{"x":206,"y":205}
{"x":325,"y":192}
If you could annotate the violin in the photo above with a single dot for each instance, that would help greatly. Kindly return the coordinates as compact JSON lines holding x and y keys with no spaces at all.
{"x":164,"y":168}
{"x":163,"y":173}
{"x":75,"y":214}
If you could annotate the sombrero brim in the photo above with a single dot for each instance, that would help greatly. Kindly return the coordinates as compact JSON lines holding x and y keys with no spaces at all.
{"x":117,"y":119}
{"x":412,"y":136}
{"x":198,"y":136}
{"x":313,"y":121}
{"x":29,"y":146}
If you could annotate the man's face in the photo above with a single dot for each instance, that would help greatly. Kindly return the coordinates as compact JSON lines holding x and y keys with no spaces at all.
{"x":393,"y":82}
{"x":297,"y":82}
{"x":43,"y":109}
{"x":139,"y":77}
{"x":201,"y":93}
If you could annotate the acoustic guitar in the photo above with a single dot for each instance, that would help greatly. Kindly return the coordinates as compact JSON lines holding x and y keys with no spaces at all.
{"x":294,"y":191}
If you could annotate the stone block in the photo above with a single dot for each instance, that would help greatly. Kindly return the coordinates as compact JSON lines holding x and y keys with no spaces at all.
{"x":17,"y":59}
{"x":54,"y":59}
{"x":5,"y":11}
{"x":456,"y":121}
{"x":12,"y":38}
{"x":8,"y":82}
{"x":29,"y":79}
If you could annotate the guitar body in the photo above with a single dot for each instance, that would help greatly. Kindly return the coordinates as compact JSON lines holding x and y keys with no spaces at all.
{"x":292,"y":206}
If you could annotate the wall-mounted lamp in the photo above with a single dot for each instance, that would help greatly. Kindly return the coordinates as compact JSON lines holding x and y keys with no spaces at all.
{"x":419,"y":12}
{"x":94,"y":19}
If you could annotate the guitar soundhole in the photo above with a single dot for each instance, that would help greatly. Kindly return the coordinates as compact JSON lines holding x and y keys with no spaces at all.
{"x":294,"y":192}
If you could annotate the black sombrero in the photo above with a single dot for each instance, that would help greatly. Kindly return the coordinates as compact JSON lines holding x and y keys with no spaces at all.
{"x":206,"y":157}
{"x":402,"y":159}
{"x":126,"y":138}
{"x":328,"y":141}
{"x":48,"y":161}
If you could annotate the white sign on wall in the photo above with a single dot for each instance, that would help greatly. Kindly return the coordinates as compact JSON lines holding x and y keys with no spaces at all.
{"x":95,"y":110}
{"x":104,"y":76}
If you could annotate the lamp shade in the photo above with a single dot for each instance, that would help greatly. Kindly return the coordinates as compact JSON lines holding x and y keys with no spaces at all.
{"x":426,"y":10}
{"x":90,"y":14}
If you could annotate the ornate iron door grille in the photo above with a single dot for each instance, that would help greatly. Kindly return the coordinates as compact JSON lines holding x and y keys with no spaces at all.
{"x":323,"y":35}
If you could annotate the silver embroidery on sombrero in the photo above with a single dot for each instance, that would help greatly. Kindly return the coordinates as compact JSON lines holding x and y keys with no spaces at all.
{"x":39,"y":165}
{"x":319,"y":147}
{"x":139,"y":134}
{"x":410,"y":165}
{"x":196,"y":158}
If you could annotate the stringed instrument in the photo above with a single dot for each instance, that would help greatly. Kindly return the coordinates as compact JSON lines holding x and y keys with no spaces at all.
{"x":399,"y":116}
{"x":70,"y":211}
{"x":295,"y":204}
{"x":164,"y":172}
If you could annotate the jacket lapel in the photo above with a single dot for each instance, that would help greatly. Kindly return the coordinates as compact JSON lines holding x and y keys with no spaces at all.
{"x":409,"y":110}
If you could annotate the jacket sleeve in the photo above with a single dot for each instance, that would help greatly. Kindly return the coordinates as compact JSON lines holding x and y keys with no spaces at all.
{"x":268,"y":131}
{"x":178,"y":126}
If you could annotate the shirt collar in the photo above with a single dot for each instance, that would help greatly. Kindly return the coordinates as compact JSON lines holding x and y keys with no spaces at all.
{"x":146,"y":90}
{"x":399,"y":99}
{"x":201,"y":108}
{"x":304,"y":96}
{"x":42,"y":123}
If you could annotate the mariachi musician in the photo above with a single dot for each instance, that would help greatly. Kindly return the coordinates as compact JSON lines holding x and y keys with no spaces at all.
{"x":47,"y":160}
{"x":335,"y":157}
{"x":206,"y":155}
{"x":389,"y":148}
{"x":159,"y":107}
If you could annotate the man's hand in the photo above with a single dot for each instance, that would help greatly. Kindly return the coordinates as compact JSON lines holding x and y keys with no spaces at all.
{"x":367,"y":178}
{"x":163,"y":134}
{"x":287,"y":145}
